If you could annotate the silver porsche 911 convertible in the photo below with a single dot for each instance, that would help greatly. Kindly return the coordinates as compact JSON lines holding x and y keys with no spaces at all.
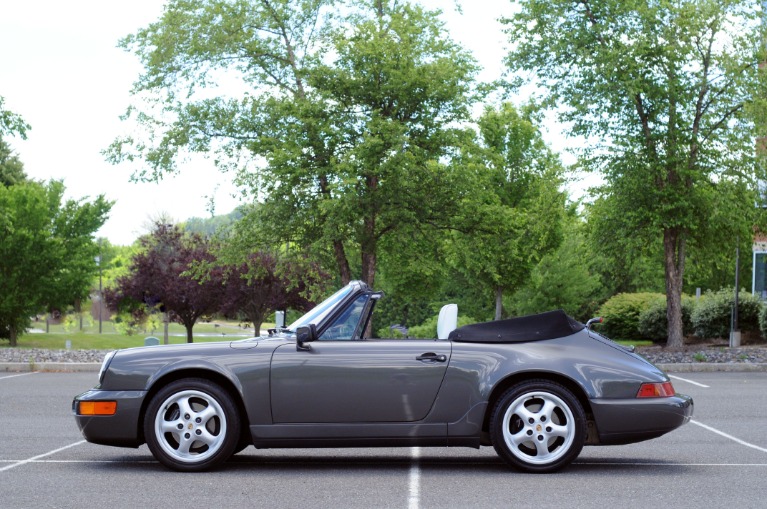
{"x":537,"y":388}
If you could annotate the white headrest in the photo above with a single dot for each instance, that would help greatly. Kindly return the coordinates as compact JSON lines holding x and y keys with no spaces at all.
{"x":447,"y":321}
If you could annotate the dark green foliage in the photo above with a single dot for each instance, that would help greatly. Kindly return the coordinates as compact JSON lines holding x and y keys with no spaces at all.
{"x":653,"y":320}
{"x":763,"y":321}
{"x":11,"y":167}
{"x":621,"y":314}
{"x":428,"y":329}
{"x":563,"y":279}
{"x":712,"y":316}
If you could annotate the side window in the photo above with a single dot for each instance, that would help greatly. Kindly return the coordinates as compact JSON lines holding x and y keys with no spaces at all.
{"x":346,"y":325}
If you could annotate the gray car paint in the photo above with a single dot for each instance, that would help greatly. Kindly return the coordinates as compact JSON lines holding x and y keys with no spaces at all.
{"x":375,"y":392}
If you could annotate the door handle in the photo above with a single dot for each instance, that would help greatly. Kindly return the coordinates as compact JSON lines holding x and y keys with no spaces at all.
{"x":431,"y":357}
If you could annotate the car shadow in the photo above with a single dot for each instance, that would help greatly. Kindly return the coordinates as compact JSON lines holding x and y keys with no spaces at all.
{"x":253,"y":460}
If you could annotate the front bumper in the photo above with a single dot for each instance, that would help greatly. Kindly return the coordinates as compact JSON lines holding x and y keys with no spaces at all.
{"x":123,"y":429}
{"x":625,"y":421}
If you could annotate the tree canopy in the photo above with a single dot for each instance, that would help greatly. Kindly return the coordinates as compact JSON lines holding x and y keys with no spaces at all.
{"x":513,"y":215}
{"x":11,"y":123}
{"x":662,"y":92}
{"x":341,"y":125}
{"x":47,"y":256}
{"x":160,"y":278}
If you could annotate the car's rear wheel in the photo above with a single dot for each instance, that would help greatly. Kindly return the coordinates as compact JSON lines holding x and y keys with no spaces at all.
{"x":538,"y":426}
{"x":192,"y":425}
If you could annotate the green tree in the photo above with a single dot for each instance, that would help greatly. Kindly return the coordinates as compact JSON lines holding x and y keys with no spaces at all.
{"x":666,"y":88}
{"x":346,"y":119}
{"x":46,"y":253}
{"x":565,"y":278}
{"x":11,"y":167}
{"x":513,"y":217}
{"x":11,"y":123}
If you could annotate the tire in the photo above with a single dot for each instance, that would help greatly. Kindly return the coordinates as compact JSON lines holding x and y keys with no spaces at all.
{"x":192,"y":425}
{"x":538,"y":426}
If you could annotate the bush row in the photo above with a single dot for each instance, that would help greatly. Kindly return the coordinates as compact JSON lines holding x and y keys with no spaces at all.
{"x":642,"y":316}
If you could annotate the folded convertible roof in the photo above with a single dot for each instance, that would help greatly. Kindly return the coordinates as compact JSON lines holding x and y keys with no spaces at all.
{"x":549,"y":325}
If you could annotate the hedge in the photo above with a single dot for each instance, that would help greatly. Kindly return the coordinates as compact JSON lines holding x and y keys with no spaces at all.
{"x":712,"y":314}
{"x":620,"y":314}
{"x":653,"y":320}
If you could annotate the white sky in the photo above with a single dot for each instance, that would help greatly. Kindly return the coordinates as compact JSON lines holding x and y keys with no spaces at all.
{"x":61,"y":71}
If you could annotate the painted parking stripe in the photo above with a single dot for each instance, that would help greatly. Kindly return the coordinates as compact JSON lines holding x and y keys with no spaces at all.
{"x":725,"y":435}
{"x":688,"y":381}
{"x":40,"y":456}
{"x":22,"y":374}
{"x":414,"y":485}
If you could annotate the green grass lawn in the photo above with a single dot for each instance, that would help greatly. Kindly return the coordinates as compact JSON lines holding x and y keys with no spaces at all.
{"x":89,"y":338}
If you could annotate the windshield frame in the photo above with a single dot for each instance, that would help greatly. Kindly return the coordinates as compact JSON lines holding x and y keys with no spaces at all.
{"x":319,"y":312}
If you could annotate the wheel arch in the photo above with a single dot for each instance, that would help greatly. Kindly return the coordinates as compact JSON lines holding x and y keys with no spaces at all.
{"x":503,"y":385}
{"x":206,"y":374}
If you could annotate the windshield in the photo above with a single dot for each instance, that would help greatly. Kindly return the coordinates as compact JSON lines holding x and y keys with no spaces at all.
{"x":318,"y":313}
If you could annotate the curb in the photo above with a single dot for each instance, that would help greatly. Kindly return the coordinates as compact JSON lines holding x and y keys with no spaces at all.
{"x":51,"y":367}
{"x":681,"y":367}
{"x":711,"y":367}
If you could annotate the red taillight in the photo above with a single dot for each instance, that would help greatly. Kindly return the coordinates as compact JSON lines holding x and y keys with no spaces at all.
{"x":656,"y":390}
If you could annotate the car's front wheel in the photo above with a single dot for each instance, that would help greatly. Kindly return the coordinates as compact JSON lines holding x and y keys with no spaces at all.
{"x":538,"y":426}
{"x":192,"y":425}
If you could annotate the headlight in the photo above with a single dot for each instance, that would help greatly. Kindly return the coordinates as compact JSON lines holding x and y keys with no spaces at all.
{"x":105,"y":365}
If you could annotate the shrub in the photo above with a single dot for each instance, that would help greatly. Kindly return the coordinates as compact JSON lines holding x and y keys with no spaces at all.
{"x":621,"y":312}
{"x":428,"y":329}
{"x":653,"y":321}
{"x":712,"y":315}
{"x":763,"y":321}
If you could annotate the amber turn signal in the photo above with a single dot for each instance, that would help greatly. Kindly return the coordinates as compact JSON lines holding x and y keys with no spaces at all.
{"x":97,"y":408}
{"x":656,"y":390}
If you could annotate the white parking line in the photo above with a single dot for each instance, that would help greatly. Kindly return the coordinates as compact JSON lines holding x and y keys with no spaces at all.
{"x":414,"y":490}
{"x":22,"y":374}
{"x":688,"y":381}
{"x":725,"y":435}
{"x":35,"y":458}
{"x":657,"y":464}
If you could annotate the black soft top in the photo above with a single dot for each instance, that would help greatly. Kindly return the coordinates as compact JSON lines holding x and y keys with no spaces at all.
{"x":549,"y":325}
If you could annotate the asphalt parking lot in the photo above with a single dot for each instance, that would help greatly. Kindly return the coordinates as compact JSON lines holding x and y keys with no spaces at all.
{"x":718,"y":460}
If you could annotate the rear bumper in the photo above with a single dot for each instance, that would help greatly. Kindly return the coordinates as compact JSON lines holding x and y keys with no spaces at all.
{"x":121,"y":429}
{"x":624,"y":421}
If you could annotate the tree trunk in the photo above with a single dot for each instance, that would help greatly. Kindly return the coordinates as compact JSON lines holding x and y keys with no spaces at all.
{"x":189,"y":337}
{"x":13,"y":337}
{"x":498,"y":303}
{"x":369,"y":268}
{"x":343,"y":263}
{"x":257,"y":318}
{"x":673,"y":250}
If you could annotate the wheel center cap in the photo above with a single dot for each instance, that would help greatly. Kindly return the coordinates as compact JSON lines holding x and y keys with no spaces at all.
{"x":538,"y":427}
{"x":190,"y":426}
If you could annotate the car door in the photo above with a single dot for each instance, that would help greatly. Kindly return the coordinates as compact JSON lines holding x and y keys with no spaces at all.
{"x":348,"y":381}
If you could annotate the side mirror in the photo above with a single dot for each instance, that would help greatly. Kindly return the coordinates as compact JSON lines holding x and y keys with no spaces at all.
{"x":305,"y":334}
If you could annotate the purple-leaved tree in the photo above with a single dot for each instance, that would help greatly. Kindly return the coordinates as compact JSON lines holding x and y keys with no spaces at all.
{"x":263,"y":284}
{"x":158,"y":277}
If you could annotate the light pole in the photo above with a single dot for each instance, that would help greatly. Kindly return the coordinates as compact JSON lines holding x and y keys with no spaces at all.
{"x":101,"y":297}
